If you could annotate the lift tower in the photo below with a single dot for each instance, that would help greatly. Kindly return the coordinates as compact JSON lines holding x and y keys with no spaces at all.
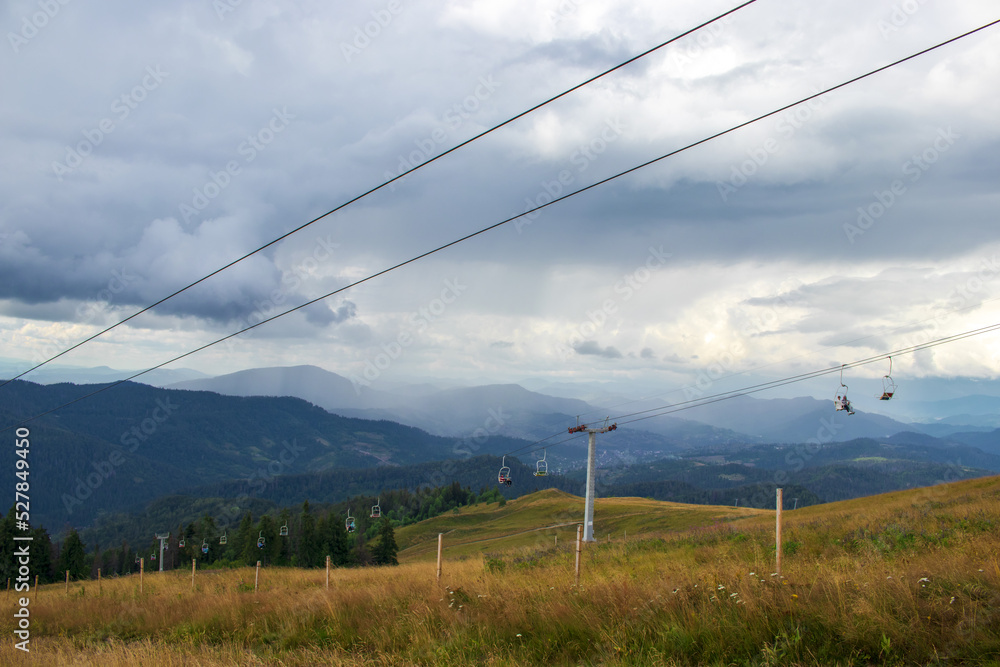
{"x":588,"y":517}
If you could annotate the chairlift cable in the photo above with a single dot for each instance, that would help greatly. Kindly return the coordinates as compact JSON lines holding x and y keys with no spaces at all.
{"x":389,"y":182}
{"x":512,"y":218}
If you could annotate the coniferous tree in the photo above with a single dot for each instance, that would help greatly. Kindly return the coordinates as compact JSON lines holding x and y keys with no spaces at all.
{"x":271,"y":551}
{"x":41,"y":556}
{"x":337,"y":542}
{"x":385,"y":550}
{"x":8,"y":563}
{"x":73,"y":557}
{"x":246,"y":541}
{"x":309,"y":545}
{"x":284,"y":541}
{"x":209,"y":535}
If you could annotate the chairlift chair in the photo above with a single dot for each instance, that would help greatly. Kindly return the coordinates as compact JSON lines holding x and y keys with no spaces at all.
{"x":204,"y":546}
{"x":841,"y":402}
{"x":504,"y":476}
{"x":888,"y":386}
{"x":376,"y":510}
{"x":181,"y":543}
{"x":260,"y":540}
{"x":152,"y":556}
{"x":283,"y":531}
{"x":350,"y":522}
{"x":541,"y":466}
{"x":222,"y":540}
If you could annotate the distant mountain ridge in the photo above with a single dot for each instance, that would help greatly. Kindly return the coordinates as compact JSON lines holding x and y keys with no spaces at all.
{"x":461,"y":411}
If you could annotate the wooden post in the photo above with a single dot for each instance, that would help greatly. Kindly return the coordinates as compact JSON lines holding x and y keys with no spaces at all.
{"x":777,"y":535}
{"x":193,"y":561}
{"x":557,"y":541}
{"x":67,"y":581}
{"x":98,"y":581}
{"x":328,"y":573}
{"x":142,"y":568}
{"x":440,"y":544}
{"x":256,"y":577}
{"x":36,"y":588}
{"x":579,"y":543}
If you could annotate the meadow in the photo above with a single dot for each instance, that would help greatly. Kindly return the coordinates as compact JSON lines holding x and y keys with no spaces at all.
{"x":910,"y":577}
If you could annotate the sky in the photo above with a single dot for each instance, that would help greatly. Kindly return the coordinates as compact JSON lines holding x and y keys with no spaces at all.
{"x":145,"y":145}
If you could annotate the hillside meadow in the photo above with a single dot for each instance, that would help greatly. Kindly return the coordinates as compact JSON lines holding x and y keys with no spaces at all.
{"x":904,"y":578}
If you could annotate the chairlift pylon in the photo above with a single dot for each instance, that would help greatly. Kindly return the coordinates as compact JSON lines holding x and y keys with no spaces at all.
{"x":888,"y":386}
{"x":841,"y":402}
{"x":504,"y":476}
{"x":541,"y":466}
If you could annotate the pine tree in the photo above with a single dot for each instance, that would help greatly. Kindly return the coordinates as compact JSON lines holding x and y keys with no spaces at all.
{"x":309,"y":545}
{"x":284,"y":541}
{"x":73,"y":557}
{"x":384,"y":552}
{"x":246,"y":541}
{"x":8,"y":563}
{"x":338,"y":544}
{"x":41,"y":556}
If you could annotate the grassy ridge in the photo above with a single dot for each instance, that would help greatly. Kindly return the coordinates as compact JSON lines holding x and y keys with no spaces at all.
{"x":535,"y":520}
{"x":908,"y":577}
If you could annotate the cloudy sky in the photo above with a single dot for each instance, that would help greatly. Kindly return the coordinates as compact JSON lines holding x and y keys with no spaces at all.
{"x":144,"y":145}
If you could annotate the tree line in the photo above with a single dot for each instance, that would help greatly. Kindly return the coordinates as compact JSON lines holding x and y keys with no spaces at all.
{"x":302,"y":537}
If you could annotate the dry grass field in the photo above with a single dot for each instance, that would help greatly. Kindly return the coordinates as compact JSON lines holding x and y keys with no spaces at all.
{"x":905,"y":578}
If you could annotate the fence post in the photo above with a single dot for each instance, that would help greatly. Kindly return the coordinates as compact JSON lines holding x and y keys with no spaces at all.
{"x":440,"y":542}
{"x":142,"y":568}
{"x":256,"y":577}
{"x":99,"y":581}
{"x":328,"y":573}
{"x":67,"y":581}
{"x":193,"y":561}
{"x":777,"y":534}
{"x":579,"y":543}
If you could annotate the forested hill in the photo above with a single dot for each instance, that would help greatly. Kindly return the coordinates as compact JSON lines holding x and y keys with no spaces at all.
{"x":132,"y":443}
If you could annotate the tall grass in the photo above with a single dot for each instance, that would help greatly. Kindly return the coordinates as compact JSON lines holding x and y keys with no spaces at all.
{"x":901,"y":579}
